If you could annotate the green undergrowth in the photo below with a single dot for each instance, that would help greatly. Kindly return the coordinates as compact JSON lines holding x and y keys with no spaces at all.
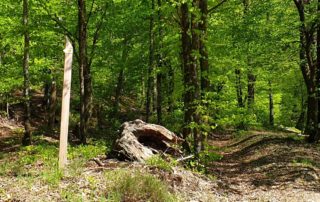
{"x":40,"y":160}
{"x":306,"y":162}
{"x":158,"y":162}
{"x":37,"y":166}
{"x":136,"y":186}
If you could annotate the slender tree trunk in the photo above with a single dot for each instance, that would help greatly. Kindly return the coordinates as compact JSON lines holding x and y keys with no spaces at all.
{"x":159,"y":98}
{"x":26,"y":90}
{"x":120,"y":83}
{"x":151,"y":63}
{"x":204,"y":59}
{"x":52,"y":105}
{"x":170,"y":88}
{"x":160,"y":66}
{"x":186,"y":53}
{"x":239,"y":88}
{"x":118,"y":92}
{"x":317,"y":138}
{"x":84,"y":71}
{"x":251,"y":88}
{"x":301,"y":120}
{"x":311,"y":126}
{"x":8,"y":107}
{"x":194,"y":84}
{"x":250,"y":75}
{"x":46,"y":99}
{"x":271,"y":109}
{"x":204,"y":63}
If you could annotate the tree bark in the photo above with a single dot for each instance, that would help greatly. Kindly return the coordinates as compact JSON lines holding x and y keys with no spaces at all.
{"x":251,"y":87}
{"x":312,"y":112}
{"x":316,"y":139}
{"x":239,"y":88}
{"x":204,"y":60}
{"x":151,"y":64}
{"x":84,"y":71}
{"x":190,"y":48}
{"x":271,"y":109}
{"x":52,"y":105}
{"x":171,"y":77}
{"x":194,"y":84}
{"x":121,"y":77}
{"x":139,"y":141}
{"x":159,"y":97}
{"x":309,"y":72}
{"x":204,"y":63}
{"x":26,"y":90}
{"x":186,"y":53}
{"x":160,"y":66}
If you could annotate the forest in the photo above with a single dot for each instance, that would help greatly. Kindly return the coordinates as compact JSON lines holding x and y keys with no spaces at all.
{"x":160,"y":100}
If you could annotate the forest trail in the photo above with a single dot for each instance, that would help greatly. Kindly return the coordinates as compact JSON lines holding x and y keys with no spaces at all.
{"x":256,"y":166}
{"x":267,"y":166}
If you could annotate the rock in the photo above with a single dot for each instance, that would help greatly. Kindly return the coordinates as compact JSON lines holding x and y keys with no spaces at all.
{"x":139,"y":141}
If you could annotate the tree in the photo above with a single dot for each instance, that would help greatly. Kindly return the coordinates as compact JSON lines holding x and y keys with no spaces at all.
{"x":309,"y":67}
{"x":26,"y":85}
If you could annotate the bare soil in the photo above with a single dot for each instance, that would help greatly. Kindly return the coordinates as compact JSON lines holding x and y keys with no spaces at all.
{"x":260,"y":166}
{"x":267,"y":166}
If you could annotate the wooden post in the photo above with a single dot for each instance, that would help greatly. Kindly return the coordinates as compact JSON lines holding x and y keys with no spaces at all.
{"x":65,"y":104}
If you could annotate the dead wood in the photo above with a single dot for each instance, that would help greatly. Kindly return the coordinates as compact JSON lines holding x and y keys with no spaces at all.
{"x":139,"y":141}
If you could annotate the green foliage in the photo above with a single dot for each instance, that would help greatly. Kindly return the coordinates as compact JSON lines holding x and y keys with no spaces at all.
{"x":297,"y":138}
{"x":305,"y":161}
{"x":204,"y":160}
{"x":261,"y":41}
{"x":87,"y":152}
{"x":159,"y":162}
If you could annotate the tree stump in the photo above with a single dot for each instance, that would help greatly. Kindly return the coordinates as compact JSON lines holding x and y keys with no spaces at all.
{"x":139,"y":141}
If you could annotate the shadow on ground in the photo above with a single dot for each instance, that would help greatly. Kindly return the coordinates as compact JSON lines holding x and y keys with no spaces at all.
{"x":269,"y":161}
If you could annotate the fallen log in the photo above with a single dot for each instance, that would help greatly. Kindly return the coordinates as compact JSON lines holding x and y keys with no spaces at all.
{"x":139,"y":141}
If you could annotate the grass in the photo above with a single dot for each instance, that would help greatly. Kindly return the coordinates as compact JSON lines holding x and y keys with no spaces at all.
{"x":35,"y":167}
{"x":137,"y":186}
{"x":305,"y":161}
{"x":160,"y":163}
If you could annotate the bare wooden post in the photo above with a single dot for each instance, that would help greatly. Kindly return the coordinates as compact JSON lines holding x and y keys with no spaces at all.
{"x":65,"y":104}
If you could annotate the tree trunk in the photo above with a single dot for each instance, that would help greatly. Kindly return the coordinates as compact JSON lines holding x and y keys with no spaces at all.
{"x":190,"y":48}
{"x":204,"y":63}
{"x":318,"y":79}
{"x":239,"y":88}
{"x":46,"y":97}
{"x":186,"y":52}
{"x":250,"y":75}
{"x":151,"y":64}
{"x":170,"y":88}
{"x":118,"y":92}
{"x":160,"y":66}
{"x":300,"y":122}
{"x":84,"y":71}
{"x":120,"y":82}
{"x":52,"y":105}
{"x":26,"y":90}
{"x":311,"y":126}
{"x":194,"y":84}
{"x":271,"y":109}
{"x":159,"y":98}
{"x":251,"y":88}
{"x":309,"y":71}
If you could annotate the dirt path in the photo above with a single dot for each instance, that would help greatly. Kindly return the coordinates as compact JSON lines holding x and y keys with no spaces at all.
{"x":267,"y":166}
